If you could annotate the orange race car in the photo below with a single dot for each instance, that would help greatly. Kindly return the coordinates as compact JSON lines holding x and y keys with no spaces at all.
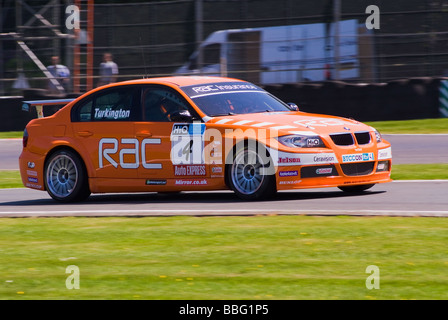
{"x":195,"y":133}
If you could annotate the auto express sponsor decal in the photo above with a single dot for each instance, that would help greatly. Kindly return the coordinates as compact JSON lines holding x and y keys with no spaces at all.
{"x":190,"y":170}
{"x":358,"y":157}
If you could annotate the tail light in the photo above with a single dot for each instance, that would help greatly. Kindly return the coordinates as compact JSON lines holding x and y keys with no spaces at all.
{"x":25,"y":138}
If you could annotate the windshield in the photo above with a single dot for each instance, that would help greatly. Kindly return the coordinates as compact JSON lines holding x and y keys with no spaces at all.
{"x":233,"y":98}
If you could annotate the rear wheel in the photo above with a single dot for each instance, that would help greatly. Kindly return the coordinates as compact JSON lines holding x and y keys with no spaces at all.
{"x":66,"y":177}
{"x":248,"y":175}
{"x":359,"y":188}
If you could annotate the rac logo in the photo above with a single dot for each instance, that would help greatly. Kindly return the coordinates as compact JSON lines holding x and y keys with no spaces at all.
{"x":126,"y":146}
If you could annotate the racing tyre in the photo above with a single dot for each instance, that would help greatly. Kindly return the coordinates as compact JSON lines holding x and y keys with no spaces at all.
{"x":249,"y":176}
{"x":354,"y":189}
{"x":66,"y":177}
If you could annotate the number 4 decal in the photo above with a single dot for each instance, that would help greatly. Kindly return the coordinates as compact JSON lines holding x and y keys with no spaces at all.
{"x":187,"y":143}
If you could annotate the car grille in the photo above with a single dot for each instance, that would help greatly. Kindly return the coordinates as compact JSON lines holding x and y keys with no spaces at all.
{"x":358,"y":169}
{"x":362,"y":137}
{"x":346,"y":139}
{"x":342,"y":139}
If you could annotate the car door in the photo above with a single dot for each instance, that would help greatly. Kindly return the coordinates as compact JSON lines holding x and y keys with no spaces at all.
{"x":170,"y":149}
{"x":103,"y":125}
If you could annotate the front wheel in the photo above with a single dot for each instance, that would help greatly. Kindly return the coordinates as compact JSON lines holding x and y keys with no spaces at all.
{"x":248,"y":175}
{"x":359,"y":188}
{"x":65,"y":177}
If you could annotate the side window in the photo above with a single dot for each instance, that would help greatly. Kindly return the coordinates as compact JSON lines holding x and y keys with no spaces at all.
{"x":85,"y":112}
{"x":116,"y":105}
{"x":160,"y":103}
{"x":212,"y":54}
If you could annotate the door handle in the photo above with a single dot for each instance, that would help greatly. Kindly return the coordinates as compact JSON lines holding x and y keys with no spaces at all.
{"x":85,"y":133}
{"x":143,"y":134}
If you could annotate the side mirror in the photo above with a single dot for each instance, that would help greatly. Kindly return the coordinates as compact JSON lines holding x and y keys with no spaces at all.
{"x":181,"y":116}
{"x":293,"y":106}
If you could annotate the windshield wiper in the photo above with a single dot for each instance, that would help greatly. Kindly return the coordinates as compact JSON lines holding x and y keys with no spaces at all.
{"x":223,"y":114}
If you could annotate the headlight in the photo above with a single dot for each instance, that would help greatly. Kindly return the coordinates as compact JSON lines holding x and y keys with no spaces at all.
{"x":301,"y":141}
{"x":378,"y":136}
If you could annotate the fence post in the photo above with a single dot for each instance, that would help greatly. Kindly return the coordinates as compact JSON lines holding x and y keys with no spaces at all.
{"x":443,"y":98}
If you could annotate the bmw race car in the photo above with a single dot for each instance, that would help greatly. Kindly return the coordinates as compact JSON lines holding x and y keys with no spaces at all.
{"x":184,"y":133}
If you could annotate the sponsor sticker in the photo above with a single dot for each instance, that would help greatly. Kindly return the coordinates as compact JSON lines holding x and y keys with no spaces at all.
{"x":197,"y":91}
{"x":191,"y":182}
{"x":190,"y":170}
{"x":31,"y":173}
{"x":358,"y":157}
{"x":155,"y":182}
{"x":385,"y":153}
{"x":288,"y":173}
{"x":283,"y":160}
{"x":217,"y":169}
{"x":34,"y":180}
{"x":290,"y":182}
{"x":324,"y":170}
{"x":288,"y":159}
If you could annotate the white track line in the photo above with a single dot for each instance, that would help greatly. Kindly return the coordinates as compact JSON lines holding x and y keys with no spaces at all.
{"x":241,"y":212}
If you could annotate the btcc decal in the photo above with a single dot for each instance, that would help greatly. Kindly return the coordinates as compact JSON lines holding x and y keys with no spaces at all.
{"x":358,"y":157}
{"x":385,"y":154}
{"x":187,"y":143}
{"x":110,"y":146}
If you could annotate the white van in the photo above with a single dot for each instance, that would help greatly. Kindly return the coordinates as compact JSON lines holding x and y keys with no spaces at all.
{"x":282,"y":54}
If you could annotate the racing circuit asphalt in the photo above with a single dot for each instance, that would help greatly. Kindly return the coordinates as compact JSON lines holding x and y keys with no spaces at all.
{"x":399,"y":198}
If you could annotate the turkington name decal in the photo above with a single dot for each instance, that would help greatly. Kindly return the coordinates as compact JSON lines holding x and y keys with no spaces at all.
{"x":112,"y":114}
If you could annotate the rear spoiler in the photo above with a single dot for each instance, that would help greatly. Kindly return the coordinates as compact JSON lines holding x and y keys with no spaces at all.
{"x":39,"y":104}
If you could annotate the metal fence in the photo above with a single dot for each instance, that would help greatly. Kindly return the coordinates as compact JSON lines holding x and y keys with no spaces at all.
{"x":150,"y":39}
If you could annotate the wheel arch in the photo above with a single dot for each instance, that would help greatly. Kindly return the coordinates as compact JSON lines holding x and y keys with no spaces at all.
{"x":231,"y":154}
{"x":65,"y":147}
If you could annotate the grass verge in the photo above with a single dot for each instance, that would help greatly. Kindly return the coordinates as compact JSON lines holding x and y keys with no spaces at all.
{"x":420,"y":126}
{"x":11,"y":134}
{"x":259,"y":257}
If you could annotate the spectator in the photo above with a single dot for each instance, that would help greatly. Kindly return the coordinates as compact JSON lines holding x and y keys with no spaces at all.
{"x":61,"y":73}
{"x":108,"y":70}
